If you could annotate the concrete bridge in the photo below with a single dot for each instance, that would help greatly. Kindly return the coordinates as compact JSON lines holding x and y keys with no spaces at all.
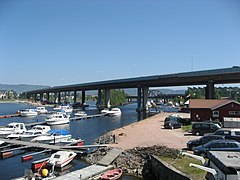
{"x":205,"y":77}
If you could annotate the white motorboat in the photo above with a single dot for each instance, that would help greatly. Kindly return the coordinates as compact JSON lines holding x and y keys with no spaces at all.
{"x":12,"y":128}
{"x":112,"y":112}
{"x":37,"y":130}
{"x":28,"y":112}
{"x":41,"y":110}
{"x":57,"y":118}
{"x":80,"y":114}
{"x":53,"y":136}
{"x":61,"y":158}
{"x":66,"y":108}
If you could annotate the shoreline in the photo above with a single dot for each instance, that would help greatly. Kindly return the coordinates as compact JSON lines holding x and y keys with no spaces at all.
{"x":138,"y":141}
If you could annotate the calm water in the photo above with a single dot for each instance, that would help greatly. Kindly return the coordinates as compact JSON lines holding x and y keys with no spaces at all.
{"x":87,"y":129}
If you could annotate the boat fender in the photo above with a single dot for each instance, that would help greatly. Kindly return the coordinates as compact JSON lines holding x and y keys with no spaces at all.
{"x":44,"y":172}
{"x":26,"y":158}
{"x":7,"y":154}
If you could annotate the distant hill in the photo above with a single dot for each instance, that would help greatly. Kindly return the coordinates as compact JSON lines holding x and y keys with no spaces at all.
{"x":21,"y":87}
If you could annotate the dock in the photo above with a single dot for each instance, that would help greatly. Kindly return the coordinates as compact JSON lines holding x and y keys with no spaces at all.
{"x":88,"y":116}
{"x":96,"y":169}
{"x":9,"y":116}
{"x":28,"y":144}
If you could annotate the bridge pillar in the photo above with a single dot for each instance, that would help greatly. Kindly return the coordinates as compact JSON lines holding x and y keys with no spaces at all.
{"x":55,"y":97}
{"x":107,"y":98}
{"x":209,"y":91}
{"x":59,"y":97}
{"x":145,"y":98}
{"x":83,"y":97}
{"x":142,"y":99}
{"x":99,"y":99}
{"x":41,"y":96}
{"x":47,"y":96}
{"x":75,"y":96}
{"x":139,"y":93}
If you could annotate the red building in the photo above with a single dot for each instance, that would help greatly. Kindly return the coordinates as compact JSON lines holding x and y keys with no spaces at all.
{"x":213,"y":109}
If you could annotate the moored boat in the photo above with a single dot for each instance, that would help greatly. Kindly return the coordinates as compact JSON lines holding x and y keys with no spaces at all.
{"x":57,"y":118}
{"x":41,"y":110}
{"x":36,"y":131}
{"x":28,"y":112}
{"x":12,"y":128}
{"x":112,"y":174}
{"x":112,"y":112}
{"x":81,"y":114}
{"x":53,"y":136}
{"x":61,"y":158}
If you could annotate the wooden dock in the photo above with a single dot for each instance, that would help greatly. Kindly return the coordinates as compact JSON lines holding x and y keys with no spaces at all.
{"x":94,"y":170}
{"x":27,"y":144}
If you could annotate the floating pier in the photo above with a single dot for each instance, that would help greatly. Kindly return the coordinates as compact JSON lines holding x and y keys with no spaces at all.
{"x":9,"y":116}
{"x":88,"y":116}
{"x":94,"y":170}
{"x":28,"y":144}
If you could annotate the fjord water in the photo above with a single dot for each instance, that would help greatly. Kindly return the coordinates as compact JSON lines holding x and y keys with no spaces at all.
{"x":86,"y":129}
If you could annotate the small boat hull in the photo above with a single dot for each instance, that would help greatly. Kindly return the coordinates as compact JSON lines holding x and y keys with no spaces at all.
{"x":112,"y":174}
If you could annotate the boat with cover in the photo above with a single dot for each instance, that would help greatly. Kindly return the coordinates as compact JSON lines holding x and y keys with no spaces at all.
{"x":12,"y":128}
{"x":112,"y":112}
{"x":58,"y":118}
{"x":28,"y":112}
{"x":112,"y":174}
{"x":53,"y":136}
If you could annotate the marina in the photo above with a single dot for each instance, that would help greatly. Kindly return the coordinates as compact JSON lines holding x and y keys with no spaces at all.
{"x":20,"y":158}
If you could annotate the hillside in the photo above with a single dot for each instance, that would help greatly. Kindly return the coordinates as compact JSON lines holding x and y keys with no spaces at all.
{"x":21,"y":87}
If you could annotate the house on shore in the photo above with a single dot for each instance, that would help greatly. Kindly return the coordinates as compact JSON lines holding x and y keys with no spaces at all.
{"x":213,"y":109}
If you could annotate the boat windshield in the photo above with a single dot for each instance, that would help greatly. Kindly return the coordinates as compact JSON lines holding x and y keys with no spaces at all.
{"x":29,"y":133}
{"x":10,"y":126}
{"x":57,"y":156}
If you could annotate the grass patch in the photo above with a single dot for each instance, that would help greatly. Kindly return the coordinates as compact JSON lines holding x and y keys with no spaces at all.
{"x":181,"y":163}
{"x":187,"y":128}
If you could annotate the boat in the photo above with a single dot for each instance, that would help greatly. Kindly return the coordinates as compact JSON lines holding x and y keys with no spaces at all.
{"x":112,"y":112}
{"x":12,"y":128}
{"x":37,"y":130}
{"x":28,"y":112}
{"x":61,"y":158}
{"x":80,"y":114}
{"x":57,"y":118}
{"x":41,"y":110}
{"x":53,"y":136}
{"x":112,"y":174}
{"x":66,"y":108}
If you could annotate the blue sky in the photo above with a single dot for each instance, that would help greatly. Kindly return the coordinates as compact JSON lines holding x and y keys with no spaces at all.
{"x":60,"y":42}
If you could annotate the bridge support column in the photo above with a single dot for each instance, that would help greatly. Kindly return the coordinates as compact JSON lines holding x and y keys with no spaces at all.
{"x":47,"y":96}
{"x":107,"y":98}
{"x":139,"y":93}
{"x":99,"y":99}
{"x":41,"y":96}
{"x":55,"y":97}
{"x":145,"y":98}
{"x":75,"y":96}
{"x":59,"y":97}
{"x":209,"y":91}
{"x":83,"y":97}
{"x":142,"y":99}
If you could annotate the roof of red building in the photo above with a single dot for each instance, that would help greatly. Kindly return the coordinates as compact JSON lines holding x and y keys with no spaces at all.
{"x":207,"y":103}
